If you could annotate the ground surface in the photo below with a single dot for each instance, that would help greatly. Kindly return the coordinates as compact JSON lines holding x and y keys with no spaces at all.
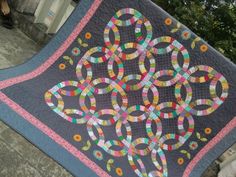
{"x":19,"y":158}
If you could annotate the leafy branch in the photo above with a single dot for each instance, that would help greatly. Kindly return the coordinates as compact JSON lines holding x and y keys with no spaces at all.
{"x":109,"y":164}
{"x":87,"y":146}
{"x":83,"y":44}
{"x":201,"y":138}
{"x":188,"y":155}
{"x":68,"y":59}
{"x":174,"y":30}
{"x":197,"y":39}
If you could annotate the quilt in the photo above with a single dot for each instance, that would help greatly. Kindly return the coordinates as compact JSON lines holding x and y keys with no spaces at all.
{"x":124,"y":89}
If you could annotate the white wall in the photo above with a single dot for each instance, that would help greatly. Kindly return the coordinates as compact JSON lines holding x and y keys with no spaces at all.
{"x":53,"y":13}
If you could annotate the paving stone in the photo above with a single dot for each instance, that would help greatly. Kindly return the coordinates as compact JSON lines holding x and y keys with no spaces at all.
{"x":3,"y":127}
{"x":15,"y":47}
{"x":33,"y":155}
{"x":25,"y":169}
{"x":5,"y":63}
{"x":14,"y":165}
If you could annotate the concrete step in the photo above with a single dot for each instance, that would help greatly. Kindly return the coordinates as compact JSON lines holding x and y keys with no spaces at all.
{"x":35,"y":31}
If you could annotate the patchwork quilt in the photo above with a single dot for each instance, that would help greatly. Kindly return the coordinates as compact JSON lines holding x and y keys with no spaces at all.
{"x":124,"y":89}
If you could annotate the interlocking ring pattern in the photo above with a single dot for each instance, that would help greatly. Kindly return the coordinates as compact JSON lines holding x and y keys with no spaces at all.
{"x":119,"y":84}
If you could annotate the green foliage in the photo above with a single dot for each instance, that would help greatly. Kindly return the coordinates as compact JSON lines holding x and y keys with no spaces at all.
{"x":213,"y":20}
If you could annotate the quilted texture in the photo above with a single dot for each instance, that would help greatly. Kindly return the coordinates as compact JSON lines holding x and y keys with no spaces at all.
{"x":124,"y":90}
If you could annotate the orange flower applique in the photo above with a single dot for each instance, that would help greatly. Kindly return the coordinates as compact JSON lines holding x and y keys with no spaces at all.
{"x":168,"y":21}
{"x":203,"y":48}
{"x":119,"y":171}
{"x":88,"y":35}
{"x":62,"y":66}
{"x":77,"y":137}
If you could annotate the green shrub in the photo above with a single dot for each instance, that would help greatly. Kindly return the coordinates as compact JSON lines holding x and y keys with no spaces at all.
{"x":213,"y":20}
